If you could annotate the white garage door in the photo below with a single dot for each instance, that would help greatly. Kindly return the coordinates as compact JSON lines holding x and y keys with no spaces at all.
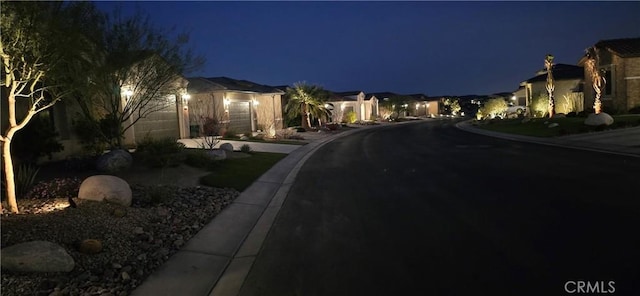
{"x":239,"y":117}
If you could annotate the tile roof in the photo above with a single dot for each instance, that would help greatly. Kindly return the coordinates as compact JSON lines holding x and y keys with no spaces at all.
{"x":627,"y":47}
{"x":201,"y":84}
{"x":560,"y":72}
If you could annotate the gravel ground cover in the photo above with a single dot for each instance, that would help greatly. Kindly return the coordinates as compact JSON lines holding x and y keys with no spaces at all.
{"x":136,"y":240}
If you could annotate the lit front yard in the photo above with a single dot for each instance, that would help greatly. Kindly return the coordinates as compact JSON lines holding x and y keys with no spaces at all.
{"x":538,"y":127}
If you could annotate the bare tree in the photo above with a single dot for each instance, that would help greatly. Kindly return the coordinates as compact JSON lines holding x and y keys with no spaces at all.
{"x":211,"y":119}
{"x":137,"y":72}
{"x":39,"y":40}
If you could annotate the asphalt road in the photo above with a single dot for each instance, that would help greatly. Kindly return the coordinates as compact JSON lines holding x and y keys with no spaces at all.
{"x":426,"y":209}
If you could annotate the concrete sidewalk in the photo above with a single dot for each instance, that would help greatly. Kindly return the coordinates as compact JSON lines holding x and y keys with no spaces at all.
{"x":218,"y":258}
{"x":620,"y":141}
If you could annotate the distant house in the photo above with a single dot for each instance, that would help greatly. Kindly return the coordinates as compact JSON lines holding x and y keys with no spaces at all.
{"x":365,"y":107}
{"x":568,"y":81}
{"x":620,"y":60}
{"x":519,"y":97}
{"x":422,"y":105}
{"x":243,"y":106}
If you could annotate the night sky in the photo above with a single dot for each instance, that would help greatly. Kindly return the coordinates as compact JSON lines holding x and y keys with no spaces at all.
{"x":435,"y":48}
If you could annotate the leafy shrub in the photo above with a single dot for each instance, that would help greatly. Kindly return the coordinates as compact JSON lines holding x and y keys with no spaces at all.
{"x":540,"y":105}
{"x":24,"y":178}
{"x":157,"y":195}
{"x":199,"y":158}
{"x":231,"y":134}
{"x":245,"y":148}
{"x":349,"y":117}
{"x":56,"y":188}
{"x":493,"y":108}
{"x":160,"y":153}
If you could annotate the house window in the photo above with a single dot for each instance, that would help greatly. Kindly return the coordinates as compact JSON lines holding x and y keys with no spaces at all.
{"x":608,"y":87}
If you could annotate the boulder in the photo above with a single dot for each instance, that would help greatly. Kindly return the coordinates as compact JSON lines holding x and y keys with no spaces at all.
{"x":106,"y":188}
{"x":114,"y":161}
{"x":37,"y":256}
{"x":90,"y":246}
{"x":598,"y":119}
{"x":227,"y":147}
{"x":218,"y":154}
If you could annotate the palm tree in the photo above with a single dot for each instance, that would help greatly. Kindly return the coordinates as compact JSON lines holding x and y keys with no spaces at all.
{"x":548,"y":62}
{"x":305,"y":100}
{"x":597,"y":80}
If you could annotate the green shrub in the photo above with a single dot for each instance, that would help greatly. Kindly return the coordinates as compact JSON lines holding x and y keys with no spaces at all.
{"x":199,"y":158}
{"x":349,"y":117}
{"x":231,"y":134}
{"x":24,"y":178}
{"x":157,"y":194}
{"x":160,"y":153}
{"x":540,"y":105}
{"x":493,"y":108}
{"x":245,"y":148}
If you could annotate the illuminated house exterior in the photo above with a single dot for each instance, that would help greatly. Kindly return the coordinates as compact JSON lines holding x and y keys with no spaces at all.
{"x":568,"y":81}
{"x":366,"y":108}
{"x":620,"y":60}
{"x":242,"y":105}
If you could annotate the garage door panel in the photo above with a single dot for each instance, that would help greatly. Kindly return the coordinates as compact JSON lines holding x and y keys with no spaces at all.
{"x":240,"y":117}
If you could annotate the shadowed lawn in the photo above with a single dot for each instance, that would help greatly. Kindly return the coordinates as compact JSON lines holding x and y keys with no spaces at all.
{"x":239,"y":173}
{"x":567,"y":126}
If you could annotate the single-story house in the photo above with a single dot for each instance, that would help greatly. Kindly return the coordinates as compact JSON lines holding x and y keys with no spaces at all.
{"x":422,"y":105}
{"x":243,"y":106}
{"x":620,"y":60}
{"x":365,"y":107}
{"x":64,"y":115}
{"x":567,"y":80}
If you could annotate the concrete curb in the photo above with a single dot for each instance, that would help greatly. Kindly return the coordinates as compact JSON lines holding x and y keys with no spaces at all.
{"x":565,"y":143}
{"x":218,"y":258}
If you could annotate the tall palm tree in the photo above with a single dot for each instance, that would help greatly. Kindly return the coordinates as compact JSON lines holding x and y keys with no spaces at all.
{"x":305,"y":100}
{"x":597,"y":80}
{"x":548,"y":62}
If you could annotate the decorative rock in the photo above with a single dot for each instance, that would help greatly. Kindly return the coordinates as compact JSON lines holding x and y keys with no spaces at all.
{"x":244,"y":138}
{"x":114,"y":161}
{"x":108,"y":188}
{"x":598,"y":119}
{"x":90,"y":246}
{"x":552,"y":125}
{"x":218,"y":154}
{"x":119,"y":213}
{"x":125,"y":276}
{"x":226,"y":147}
{"x":37,"y":256}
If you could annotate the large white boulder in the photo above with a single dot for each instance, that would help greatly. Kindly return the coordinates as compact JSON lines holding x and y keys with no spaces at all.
{"x":599,"y":119}
{"x":37,"y":256}
{"x":106,"y":188}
